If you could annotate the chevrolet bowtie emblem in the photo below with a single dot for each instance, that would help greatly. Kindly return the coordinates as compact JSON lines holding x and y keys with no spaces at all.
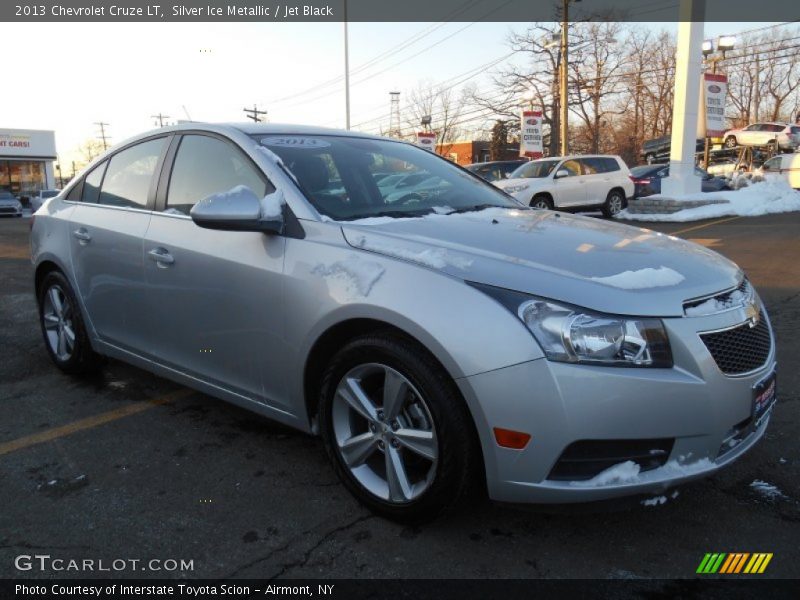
{"x":752,"y":314}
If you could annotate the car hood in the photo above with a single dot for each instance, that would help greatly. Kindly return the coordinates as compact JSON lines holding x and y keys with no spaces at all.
{"x":585,"y":261}
{"x":8,"y":202}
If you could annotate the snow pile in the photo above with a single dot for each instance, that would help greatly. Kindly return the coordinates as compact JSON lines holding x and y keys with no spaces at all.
{"x":762,"y":198}
{"x":272,"y":206}
{"x":436,"y":258}
{"x":641,"y":279}
{"x":353,"y":276}
{"x":627,"y":472}
{"x":655,"y":501}
{"x":767,"y":490}
{"x":443,"y":210}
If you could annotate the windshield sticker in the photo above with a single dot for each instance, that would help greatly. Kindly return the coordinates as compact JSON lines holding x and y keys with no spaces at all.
{"x":294,"y":141}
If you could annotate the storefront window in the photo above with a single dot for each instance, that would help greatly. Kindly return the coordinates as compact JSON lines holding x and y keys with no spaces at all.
{"x":22,"y":177}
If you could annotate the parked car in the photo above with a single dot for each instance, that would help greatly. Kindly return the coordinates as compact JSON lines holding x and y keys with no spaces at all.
{"x":546,"y":357}
{"x":657,"y":150}
{"x":572,"y":183}
{"x":38,"y":199}
{"x":784,"y":167}
{"x":782,"y":136}
{"x":10,"y":206}
{"x":495,"y":170}
{"x":647,"y":179}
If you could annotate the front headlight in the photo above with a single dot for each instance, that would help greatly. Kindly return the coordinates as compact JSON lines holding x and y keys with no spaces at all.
{"x":513,"y":189}
{"x":572,"y":334}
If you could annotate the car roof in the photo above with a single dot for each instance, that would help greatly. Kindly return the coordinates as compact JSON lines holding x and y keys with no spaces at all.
{"x":498,"y":162}
{"x":577,"y":156}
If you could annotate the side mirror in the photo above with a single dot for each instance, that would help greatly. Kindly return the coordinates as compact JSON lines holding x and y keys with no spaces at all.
{"x":561,"y":173}
{"x":239,"y":209}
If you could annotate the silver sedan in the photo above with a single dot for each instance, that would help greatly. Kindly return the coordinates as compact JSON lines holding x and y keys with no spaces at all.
{"x":435,"y":343}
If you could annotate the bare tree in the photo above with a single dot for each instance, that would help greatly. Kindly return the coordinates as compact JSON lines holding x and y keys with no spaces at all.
{"x":442,"y":104}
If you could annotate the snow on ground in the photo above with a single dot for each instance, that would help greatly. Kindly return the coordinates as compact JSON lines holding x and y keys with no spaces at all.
{"x":437,"y":258}
{"x":767,"y":490}
{"x":354,"y":276}
{"x":641,"y":279}
{"x":655,"y":501}
{"x":762,"y":198}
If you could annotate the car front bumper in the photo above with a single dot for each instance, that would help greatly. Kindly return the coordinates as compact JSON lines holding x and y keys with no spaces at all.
{"x":693,"y":404}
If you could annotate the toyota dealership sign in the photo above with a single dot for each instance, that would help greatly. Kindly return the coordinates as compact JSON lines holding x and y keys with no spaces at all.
{"x":530,"y":139}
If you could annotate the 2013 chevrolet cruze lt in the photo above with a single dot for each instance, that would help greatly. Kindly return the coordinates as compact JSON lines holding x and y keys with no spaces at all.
{"x":434,"y":338}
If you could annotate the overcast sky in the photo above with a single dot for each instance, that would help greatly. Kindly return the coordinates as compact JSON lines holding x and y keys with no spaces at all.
{"x":65,"y":77}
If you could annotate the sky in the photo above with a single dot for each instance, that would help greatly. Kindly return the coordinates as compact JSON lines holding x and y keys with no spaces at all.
{"x":66,"y":77}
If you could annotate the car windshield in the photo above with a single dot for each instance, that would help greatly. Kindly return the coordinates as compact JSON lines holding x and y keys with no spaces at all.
{"x":336,"y":174}
{"x":644,"y":170}
{"x":6,"y":196}
{"x":534,"y":170}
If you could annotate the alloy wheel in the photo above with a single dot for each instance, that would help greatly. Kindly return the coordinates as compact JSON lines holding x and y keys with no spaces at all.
{"x":614,"y":204}
{"x":385,"y":435}
{"x":57,"y":315}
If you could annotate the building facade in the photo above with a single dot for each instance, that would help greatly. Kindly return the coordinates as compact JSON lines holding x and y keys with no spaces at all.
{"x":469,"y":152}
{"x":26,"y":161}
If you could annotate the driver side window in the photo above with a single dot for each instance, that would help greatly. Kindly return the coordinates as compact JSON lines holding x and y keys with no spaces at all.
{"x":573,"y":167}
{"x":206,"y":165}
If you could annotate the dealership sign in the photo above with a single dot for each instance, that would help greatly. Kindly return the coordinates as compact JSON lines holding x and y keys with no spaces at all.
{"x":530,"y":140}
{"x":715,"y":89}
{"x":427,"y":140}
{"x":27,"y":143}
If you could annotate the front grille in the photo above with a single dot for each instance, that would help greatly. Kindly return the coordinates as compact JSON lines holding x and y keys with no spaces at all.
{"x":741,"y":349}
{"x":743,"y":294}
{"x":7,"y":209}
{"x":584,"y":459}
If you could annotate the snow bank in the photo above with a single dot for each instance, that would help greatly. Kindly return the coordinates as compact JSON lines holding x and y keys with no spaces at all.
{"x":762,"y":198}
{"x":354,"y":276}
{"x":655,"y":501}
{"x":641,"y":279}
{"x":436,"y":258}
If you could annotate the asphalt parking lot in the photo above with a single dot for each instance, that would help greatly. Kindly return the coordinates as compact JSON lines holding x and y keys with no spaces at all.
{"x":128,"y":465}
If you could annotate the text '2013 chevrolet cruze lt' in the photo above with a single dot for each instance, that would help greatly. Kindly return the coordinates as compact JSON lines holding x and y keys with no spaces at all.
{"x":436,"y":335}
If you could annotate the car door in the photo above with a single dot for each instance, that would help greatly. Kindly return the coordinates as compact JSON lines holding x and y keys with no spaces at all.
{"x":597,"y":179}
{"x":215,"y":296}
{"x":106,"y":232}
{"x":569,"y":190}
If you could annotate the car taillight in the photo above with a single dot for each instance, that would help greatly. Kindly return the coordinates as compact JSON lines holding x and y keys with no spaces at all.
{"x":639,"y":180}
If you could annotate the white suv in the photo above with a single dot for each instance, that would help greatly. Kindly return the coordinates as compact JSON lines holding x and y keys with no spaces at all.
{"x":572,"y":182}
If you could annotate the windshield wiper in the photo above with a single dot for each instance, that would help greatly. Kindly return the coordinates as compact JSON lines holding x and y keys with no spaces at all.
{"x":476,"y":208}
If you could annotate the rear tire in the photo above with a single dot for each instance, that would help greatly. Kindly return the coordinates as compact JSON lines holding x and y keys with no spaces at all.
{"x":615,"y":202}
{"x":542,"y":202}
{"x":369,"y":442}
{"x":64,"y":333}
{"x":730,"y":142}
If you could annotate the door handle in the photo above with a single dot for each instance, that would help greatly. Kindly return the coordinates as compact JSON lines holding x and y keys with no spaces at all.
{"x":82,"y":236}
{"x":162,"y":257}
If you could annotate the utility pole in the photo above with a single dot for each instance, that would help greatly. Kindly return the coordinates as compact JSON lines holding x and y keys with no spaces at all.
{"x":254,"y":113}
{"x":394,"y":115}
{"x":160,"y":118}
{"x":103,"y":135}
{"x":564,"y":78}
{"x":346,"y":72}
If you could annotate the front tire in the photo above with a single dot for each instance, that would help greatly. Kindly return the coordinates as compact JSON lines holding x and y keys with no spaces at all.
{"x":615,"y":202}
{"x":396,"y":429}
{"x":542,"y":202}
{"x":730,"y":142}
{"x":64,"y":333}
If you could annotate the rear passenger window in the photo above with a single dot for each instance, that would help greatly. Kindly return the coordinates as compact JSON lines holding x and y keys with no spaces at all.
{"x":572,"y":167}
{"x":591,"y":166}
{"x":91,"y":184}
{"x":610,"y":165}
{"x":205,"y":166}
{"x":129,"y":175}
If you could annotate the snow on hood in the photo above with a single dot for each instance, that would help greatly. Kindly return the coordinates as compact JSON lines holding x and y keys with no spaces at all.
{"x":585,"y":261}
